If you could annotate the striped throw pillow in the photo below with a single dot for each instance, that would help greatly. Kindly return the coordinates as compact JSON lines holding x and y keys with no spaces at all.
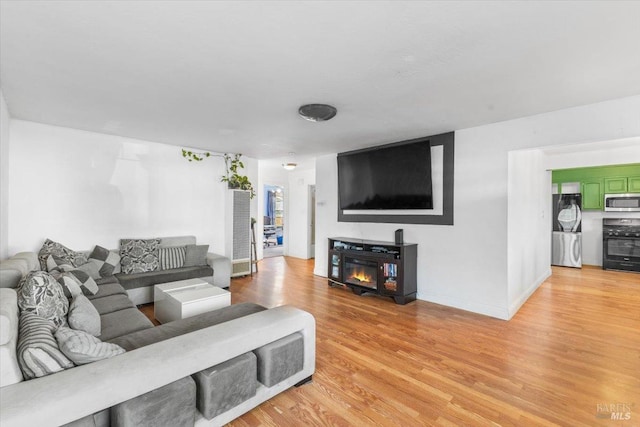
{"x":172,"y":257}
{"x":83,"y":348}
{"x":38,"y":352}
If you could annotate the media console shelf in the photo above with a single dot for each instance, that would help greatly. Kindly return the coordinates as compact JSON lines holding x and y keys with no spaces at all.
{"x":382,"y":268}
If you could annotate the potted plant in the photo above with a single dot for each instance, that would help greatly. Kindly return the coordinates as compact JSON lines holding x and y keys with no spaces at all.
{"x":232,"y":164}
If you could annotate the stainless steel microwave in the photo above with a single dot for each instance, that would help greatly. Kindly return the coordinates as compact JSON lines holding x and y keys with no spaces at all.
{"x":629,"y":202}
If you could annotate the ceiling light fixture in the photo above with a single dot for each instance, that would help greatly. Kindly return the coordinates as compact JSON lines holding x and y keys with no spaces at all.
{"x":289,"y":166}
{"x":317,"y":112}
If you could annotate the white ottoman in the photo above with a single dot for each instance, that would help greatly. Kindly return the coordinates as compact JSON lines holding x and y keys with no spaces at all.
{"x":186,"y":298}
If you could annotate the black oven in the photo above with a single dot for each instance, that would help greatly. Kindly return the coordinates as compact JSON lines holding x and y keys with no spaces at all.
{"x":621,"y":244}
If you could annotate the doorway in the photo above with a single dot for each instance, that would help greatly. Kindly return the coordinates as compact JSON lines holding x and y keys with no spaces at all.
{"x":273,"y":235}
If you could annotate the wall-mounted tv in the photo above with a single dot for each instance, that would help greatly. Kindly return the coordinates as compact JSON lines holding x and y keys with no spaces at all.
{"x":389,"y":177}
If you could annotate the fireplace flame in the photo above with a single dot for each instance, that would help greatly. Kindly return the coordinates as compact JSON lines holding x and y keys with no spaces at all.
{"x":361,"y":276}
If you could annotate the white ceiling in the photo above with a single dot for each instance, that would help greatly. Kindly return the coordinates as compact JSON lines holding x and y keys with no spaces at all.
{"x":230,"y":76}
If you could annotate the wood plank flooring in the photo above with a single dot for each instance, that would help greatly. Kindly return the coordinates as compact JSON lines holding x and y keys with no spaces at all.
{"x":571,"y":349}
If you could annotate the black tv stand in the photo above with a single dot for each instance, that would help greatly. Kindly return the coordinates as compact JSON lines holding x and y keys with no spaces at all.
{"x":369,"y":266}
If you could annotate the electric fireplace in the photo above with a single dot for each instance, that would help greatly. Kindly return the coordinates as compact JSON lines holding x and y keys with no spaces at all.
{"x":361,"y":272}
{"x":374,"y":267}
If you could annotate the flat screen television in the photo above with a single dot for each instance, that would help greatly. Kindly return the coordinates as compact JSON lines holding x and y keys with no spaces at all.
{"x":394,"y":176}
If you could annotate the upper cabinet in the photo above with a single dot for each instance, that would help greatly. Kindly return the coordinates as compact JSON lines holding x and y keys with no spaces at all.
{"x":595,"y":182}
{"x":591,"y":194}
{"x":615,"y":185}
{"x":634,"y":184}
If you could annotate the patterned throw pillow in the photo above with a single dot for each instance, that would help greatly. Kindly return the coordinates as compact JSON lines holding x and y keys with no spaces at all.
{"x":83,"y":316}
{"x":105,"y":259}
{"x":61,"y":252}
{"x":83,"y":348}
{"x":81,"y":277}
{"x":40,"y":293}
{"x":37,"y":351}
{"x":139,"y":255}
{"x":171,"y":257}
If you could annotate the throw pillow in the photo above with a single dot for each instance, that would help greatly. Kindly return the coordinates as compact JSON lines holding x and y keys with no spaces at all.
{"x":83,"y":316}
{"x":70,"y":286}
{"x":83,"y":348}
{"x":81,"y":278}
{"x":60,"y":251}
{"x":196,"y":255}
{"x":40,"y":293}
{"x":37,"y":351}
{"x":171,"y":257}
{"x":105,"y":260}
{"x":60,"y":265}
{"x":139,"y":255}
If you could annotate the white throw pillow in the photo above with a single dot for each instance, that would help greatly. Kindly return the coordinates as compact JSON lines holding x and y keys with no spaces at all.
{"x":83,"y":316}
{"x":83,"y":348}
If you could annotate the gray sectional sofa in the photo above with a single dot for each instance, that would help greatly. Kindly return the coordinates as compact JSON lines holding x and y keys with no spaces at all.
{"x":203,"y":370}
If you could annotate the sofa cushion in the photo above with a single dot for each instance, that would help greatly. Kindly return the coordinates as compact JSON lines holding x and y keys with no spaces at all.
{"x":49,"y":247}
{"x":38,"y":352}
{"x":40,"y":293}
{"x":108,"y":289}
{"x":82,"y":348}
{"x":123,"y":322}
{"x":180,"y":327}
{"x":105,"y":260}
{"x":196,"y":255}
{"x":83,"y":316}
{"x":139,"y":255}
{"x":171,"y":257}
{"x":10,"y":372}
{"x":112,"y":303}
{"x":133,"y":281}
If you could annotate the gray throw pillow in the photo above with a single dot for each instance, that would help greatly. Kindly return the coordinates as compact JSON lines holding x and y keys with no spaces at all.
{"x":83,"y":316}
{"x":82,"y":278}
{"x":105,"y":260}
{"x":196,"y":255}
{"x":83,"y":348}
{"x":37,"y":351}
{"x":40,"y":293}
{"x":139,"y":255}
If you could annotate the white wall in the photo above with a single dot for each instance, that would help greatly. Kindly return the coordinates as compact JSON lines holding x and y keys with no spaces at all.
{"x":298,"y":213}
{"x":82,"y":189}
{"x":467,"y":265}
{"x":528,"y":230}
{"x":4,"y":177}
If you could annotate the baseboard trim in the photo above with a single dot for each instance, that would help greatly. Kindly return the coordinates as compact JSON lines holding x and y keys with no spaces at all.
{"x":517,"y":304}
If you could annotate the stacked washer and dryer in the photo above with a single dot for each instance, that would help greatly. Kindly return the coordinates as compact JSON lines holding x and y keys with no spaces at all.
{"x":566,"y":239}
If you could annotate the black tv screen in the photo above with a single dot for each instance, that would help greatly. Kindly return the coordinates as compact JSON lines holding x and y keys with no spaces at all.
{"x":394,"y":176}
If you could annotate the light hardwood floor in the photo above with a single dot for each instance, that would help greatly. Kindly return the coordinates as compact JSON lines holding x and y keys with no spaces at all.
{"x":572,"y":348}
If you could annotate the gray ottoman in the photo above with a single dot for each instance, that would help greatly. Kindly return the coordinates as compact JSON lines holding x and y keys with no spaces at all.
{"x":280,"y":359}
{"x":172,"y":405}
{"x":226,"y":385}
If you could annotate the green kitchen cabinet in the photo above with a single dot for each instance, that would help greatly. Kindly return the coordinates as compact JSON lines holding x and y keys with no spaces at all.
{"x":592,"y":194}
{"x":615,"y":185}
{"x":634,"y":184}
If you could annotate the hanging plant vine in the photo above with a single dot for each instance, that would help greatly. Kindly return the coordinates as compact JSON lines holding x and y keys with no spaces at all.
{"x":232,"y":163}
